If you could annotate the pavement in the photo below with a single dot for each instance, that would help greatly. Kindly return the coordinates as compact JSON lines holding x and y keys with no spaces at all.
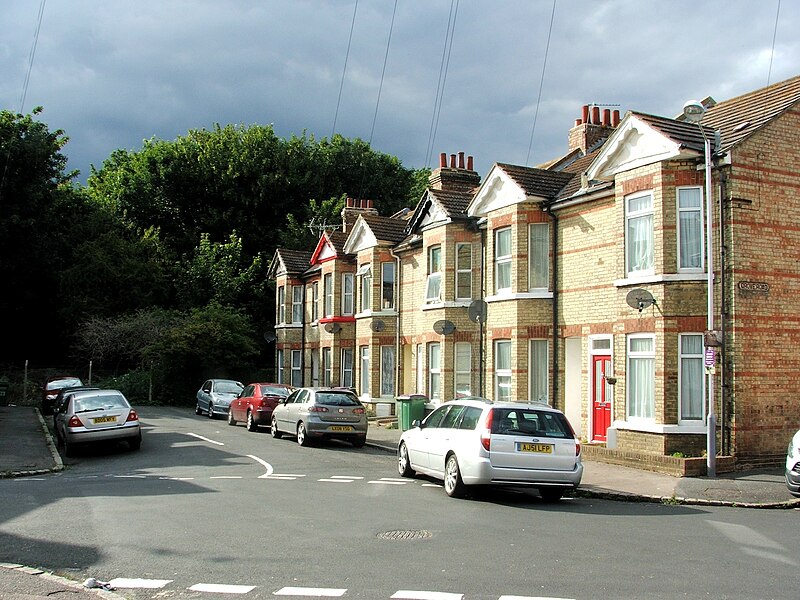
{"x":27,"y":449}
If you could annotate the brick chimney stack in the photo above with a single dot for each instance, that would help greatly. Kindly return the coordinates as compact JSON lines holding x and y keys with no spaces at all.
{"x":591,"y":129}
{"x":458,"y":176}
{"x":354,"y":207}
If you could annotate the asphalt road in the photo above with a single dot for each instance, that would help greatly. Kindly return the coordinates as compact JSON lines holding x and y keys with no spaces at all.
{"x":205,"y":510}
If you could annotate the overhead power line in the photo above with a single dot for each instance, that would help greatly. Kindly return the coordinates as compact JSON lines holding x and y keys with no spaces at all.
{"x":437,"y":105}
{"x":344,"y":70}
{"x":541,"y":82}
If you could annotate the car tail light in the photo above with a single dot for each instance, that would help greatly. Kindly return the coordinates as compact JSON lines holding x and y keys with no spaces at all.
{"x":132,"y":416}
{"x":577,"y":448}
{"x":74,"y":422}
{"x":318,"y":409}
{"x":358,"y":411}
{"x":486,"y":434}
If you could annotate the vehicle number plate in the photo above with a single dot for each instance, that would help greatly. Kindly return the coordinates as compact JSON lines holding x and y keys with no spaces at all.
{"x":341,"y":428}
{"x":541,"y":448}
{"x":105,"y":420}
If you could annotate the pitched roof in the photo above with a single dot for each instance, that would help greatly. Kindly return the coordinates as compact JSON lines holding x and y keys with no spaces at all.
{"x":453,"y":202}
{"x":337,"y":239}
{"x":682,"y":132}
{"x":537,"y":182}
{"x":293,"y":261}
{"x":386,"y":228}
{"x":740,"y":117}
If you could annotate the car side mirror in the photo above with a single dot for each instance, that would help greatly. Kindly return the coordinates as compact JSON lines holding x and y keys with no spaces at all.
{"x":416,"y":423}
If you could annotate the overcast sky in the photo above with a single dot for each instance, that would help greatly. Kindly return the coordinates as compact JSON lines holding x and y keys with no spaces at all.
{"x":112,"y":73}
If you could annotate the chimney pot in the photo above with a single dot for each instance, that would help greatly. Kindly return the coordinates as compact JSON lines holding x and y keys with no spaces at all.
{"x":443,"y":159}
{"x":460,"y":160}
{"x":595,"y":115}
{"x":349,"y":202}
{"x":577,"y":122}
{"x":615,"y":119}
{"x":452,"y":161}
{"x":469,"y":163}
{"x":585,"y":114}
{"x":606,"y":117}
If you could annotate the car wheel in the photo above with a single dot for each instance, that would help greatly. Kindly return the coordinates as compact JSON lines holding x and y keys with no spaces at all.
{"x":453,"y":484}
{"x":274,"y":429}
{"x":302,"y":436}
{"x":231,"y":420}
{"x":197,"y":409}
{"x":210,"y":410}
{"x":549,"y":494}
{"x":358,"y":442}
{"x":135,"y":443}
{"x":251,"y":424}
{"x":403,"y":462}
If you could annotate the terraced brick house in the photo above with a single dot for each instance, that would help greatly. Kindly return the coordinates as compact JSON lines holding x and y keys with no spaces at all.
{"x":581,"y":283}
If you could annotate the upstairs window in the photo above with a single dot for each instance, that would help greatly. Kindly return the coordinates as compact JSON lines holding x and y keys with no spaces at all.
{"x":281,"y":305}
{"x":433,"y":286}
{"x":327,"y":291}
{"x":365,"y":273}
{"x":297,"y":304}
{"x":387,"y":285}
{"x":314,"y":301}
{"x":347,"y":294}
{"x":502,"y":260}
{"x":538,"y":256}
{"x":463,"y":271}
{"x":639,"y":234}
{"x":690,"y":229}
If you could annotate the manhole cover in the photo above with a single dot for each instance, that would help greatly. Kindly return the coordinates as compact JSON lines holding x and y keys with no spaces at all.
{"x":405,"y":534}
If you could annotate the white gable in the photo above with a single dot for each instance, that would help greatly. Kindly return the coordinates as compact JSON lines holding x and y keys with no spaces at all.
{"x":633,"y":144}
{"x":434,"y":216}
{"x":497,"y":191}
{"x":327,"y":251}
{"x":360,"y":238}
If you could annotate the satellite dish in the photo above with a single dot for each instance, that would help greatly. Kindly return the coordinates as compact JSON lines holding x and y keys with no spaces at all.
{"x":477,"y":311}
{"x":639,"y":299}
{"x":270,"y":336}
{"x":444,"y":327}
{"x":332,"y":327}
{"x":377,"y":325}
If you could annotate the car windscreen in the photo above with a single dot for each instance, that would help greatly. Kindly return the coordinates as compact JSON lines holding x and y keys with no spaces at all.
{"x":228,"y":387}
{"x":336,"y":399}
{"x":271,"y":390}
{"x":530,"y":421}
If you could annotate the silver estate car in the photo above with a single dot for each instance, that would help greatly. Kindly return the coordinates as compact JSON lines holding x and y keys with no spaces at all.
{"x":792,"y":470}
{"x":215,"y":396}
{"x":474,"y":441}
{"x":321,"y":413}
{"x":93,"y":415}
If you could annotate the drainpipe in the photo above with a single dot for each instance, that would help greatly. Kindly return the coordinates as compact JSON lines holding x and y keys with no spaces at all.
{"x":397,"y":305}
{"x":554,"y":246}
{"x":723,"y":309}
{"x":302,"y":343}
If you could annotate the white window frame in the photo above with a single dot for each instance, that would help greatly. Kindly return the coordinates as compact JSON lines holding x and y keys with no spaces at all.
{"x":538,"y":256}
{"x":387,"y":371}
{"x":640,"y":402}
{"x":433,"y":283}
{"x":691,"y":363}
{"x":363,"y":357}
{"x":315,"y":302}
{"x":327,"y":366}
{"x":502,"y":262}
{"x":388,"y":278}
{"x":699,"y":243}
{"x":434,"y":353}
{"x":641,"y":218}
{"x":327,"y":293}
{"x":315,"y":367}
{"x":348,"y":294}
{"x":279,"y":372}
{"x":297,"y":304}
{"x":346,"y":369}
{"x":365,"y":288}
{"x":463,"y":276}
{"x":462,"y":369}
{"x":502,"y":370}
{"x":297,"y":368}
{"x":280,"y":317}
{"x":538,"y":371}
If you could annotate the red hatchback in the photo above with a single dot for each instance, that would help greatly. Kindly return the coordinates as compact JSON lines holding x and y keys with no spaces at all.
{"x":254,"y":404}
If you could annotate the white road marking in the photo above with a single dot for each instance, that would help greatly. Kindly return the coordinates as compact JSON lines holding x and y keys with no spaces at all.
{"x":336,"y":480}
{"x":130,"y":476}
{"x":121,"y":582}
{"x":205,"y":439}
{"x":432,"y":485}
{"x":263,"y":463}
{"x":350,"y":477}
{"x":404,"y":480}
{"x":225,"y":477}
{"x":222,"y":588}
{"x":301,"y":591}
{"x":283,"y":476}
{"x":384,"y":482}
{"x":177,"y":478}
{"x":422,"y":595}
{"x":530,"y":598}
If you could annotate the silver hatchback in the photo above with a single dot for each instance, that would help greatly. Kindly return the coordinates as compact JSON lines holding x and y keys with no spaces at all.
{"x":474,"y":441}
{"x":321,"y":413}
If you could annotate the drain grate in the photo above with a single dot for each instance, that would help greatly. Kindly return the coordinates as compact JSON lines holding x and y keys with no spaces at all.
{"x":405,"y":534}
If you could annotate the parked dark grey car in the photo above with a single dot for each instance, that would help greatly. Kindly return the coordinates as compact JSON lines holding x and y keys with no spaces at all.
{"x":215,"y":396}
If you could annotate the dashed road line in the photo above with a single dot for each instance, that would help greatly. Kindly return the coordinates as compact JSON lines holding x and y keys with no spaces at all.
{"x":221,"y":588}
{"x":424,"y":595}
{"x":122,"y":582}
{"x":316,"y":592}
{"x":205,"y":439}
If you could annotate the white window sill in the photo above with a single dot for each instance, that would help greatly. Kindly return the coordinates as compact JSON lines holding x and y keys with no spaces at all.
{"x":532,"y":295}
{"x":648,"y":426}
{"x":664,"y":278}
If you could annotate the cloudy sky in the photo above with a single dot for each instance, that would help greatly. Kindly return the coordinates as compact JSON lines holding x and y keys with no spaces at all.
{"x":112,"y":73}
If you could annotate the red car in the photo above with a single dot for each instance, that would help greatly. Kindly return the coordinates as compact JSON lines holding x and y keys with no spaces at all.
{"x":254,"y":404}
{"x":52,"y":386}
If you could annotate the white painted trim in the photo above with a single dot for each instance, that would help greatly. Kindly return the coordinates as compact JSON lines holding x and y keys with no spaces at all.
{"x":653,"y":427}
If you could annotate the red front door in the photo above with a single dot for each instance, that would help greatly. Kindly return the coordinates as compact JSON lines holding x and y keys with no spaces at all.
{"x":601,"y":397}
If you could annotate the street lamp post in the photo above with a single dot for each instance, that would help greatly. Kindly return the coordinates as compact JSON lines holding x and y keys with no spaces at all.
{"x":693,"y":111}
